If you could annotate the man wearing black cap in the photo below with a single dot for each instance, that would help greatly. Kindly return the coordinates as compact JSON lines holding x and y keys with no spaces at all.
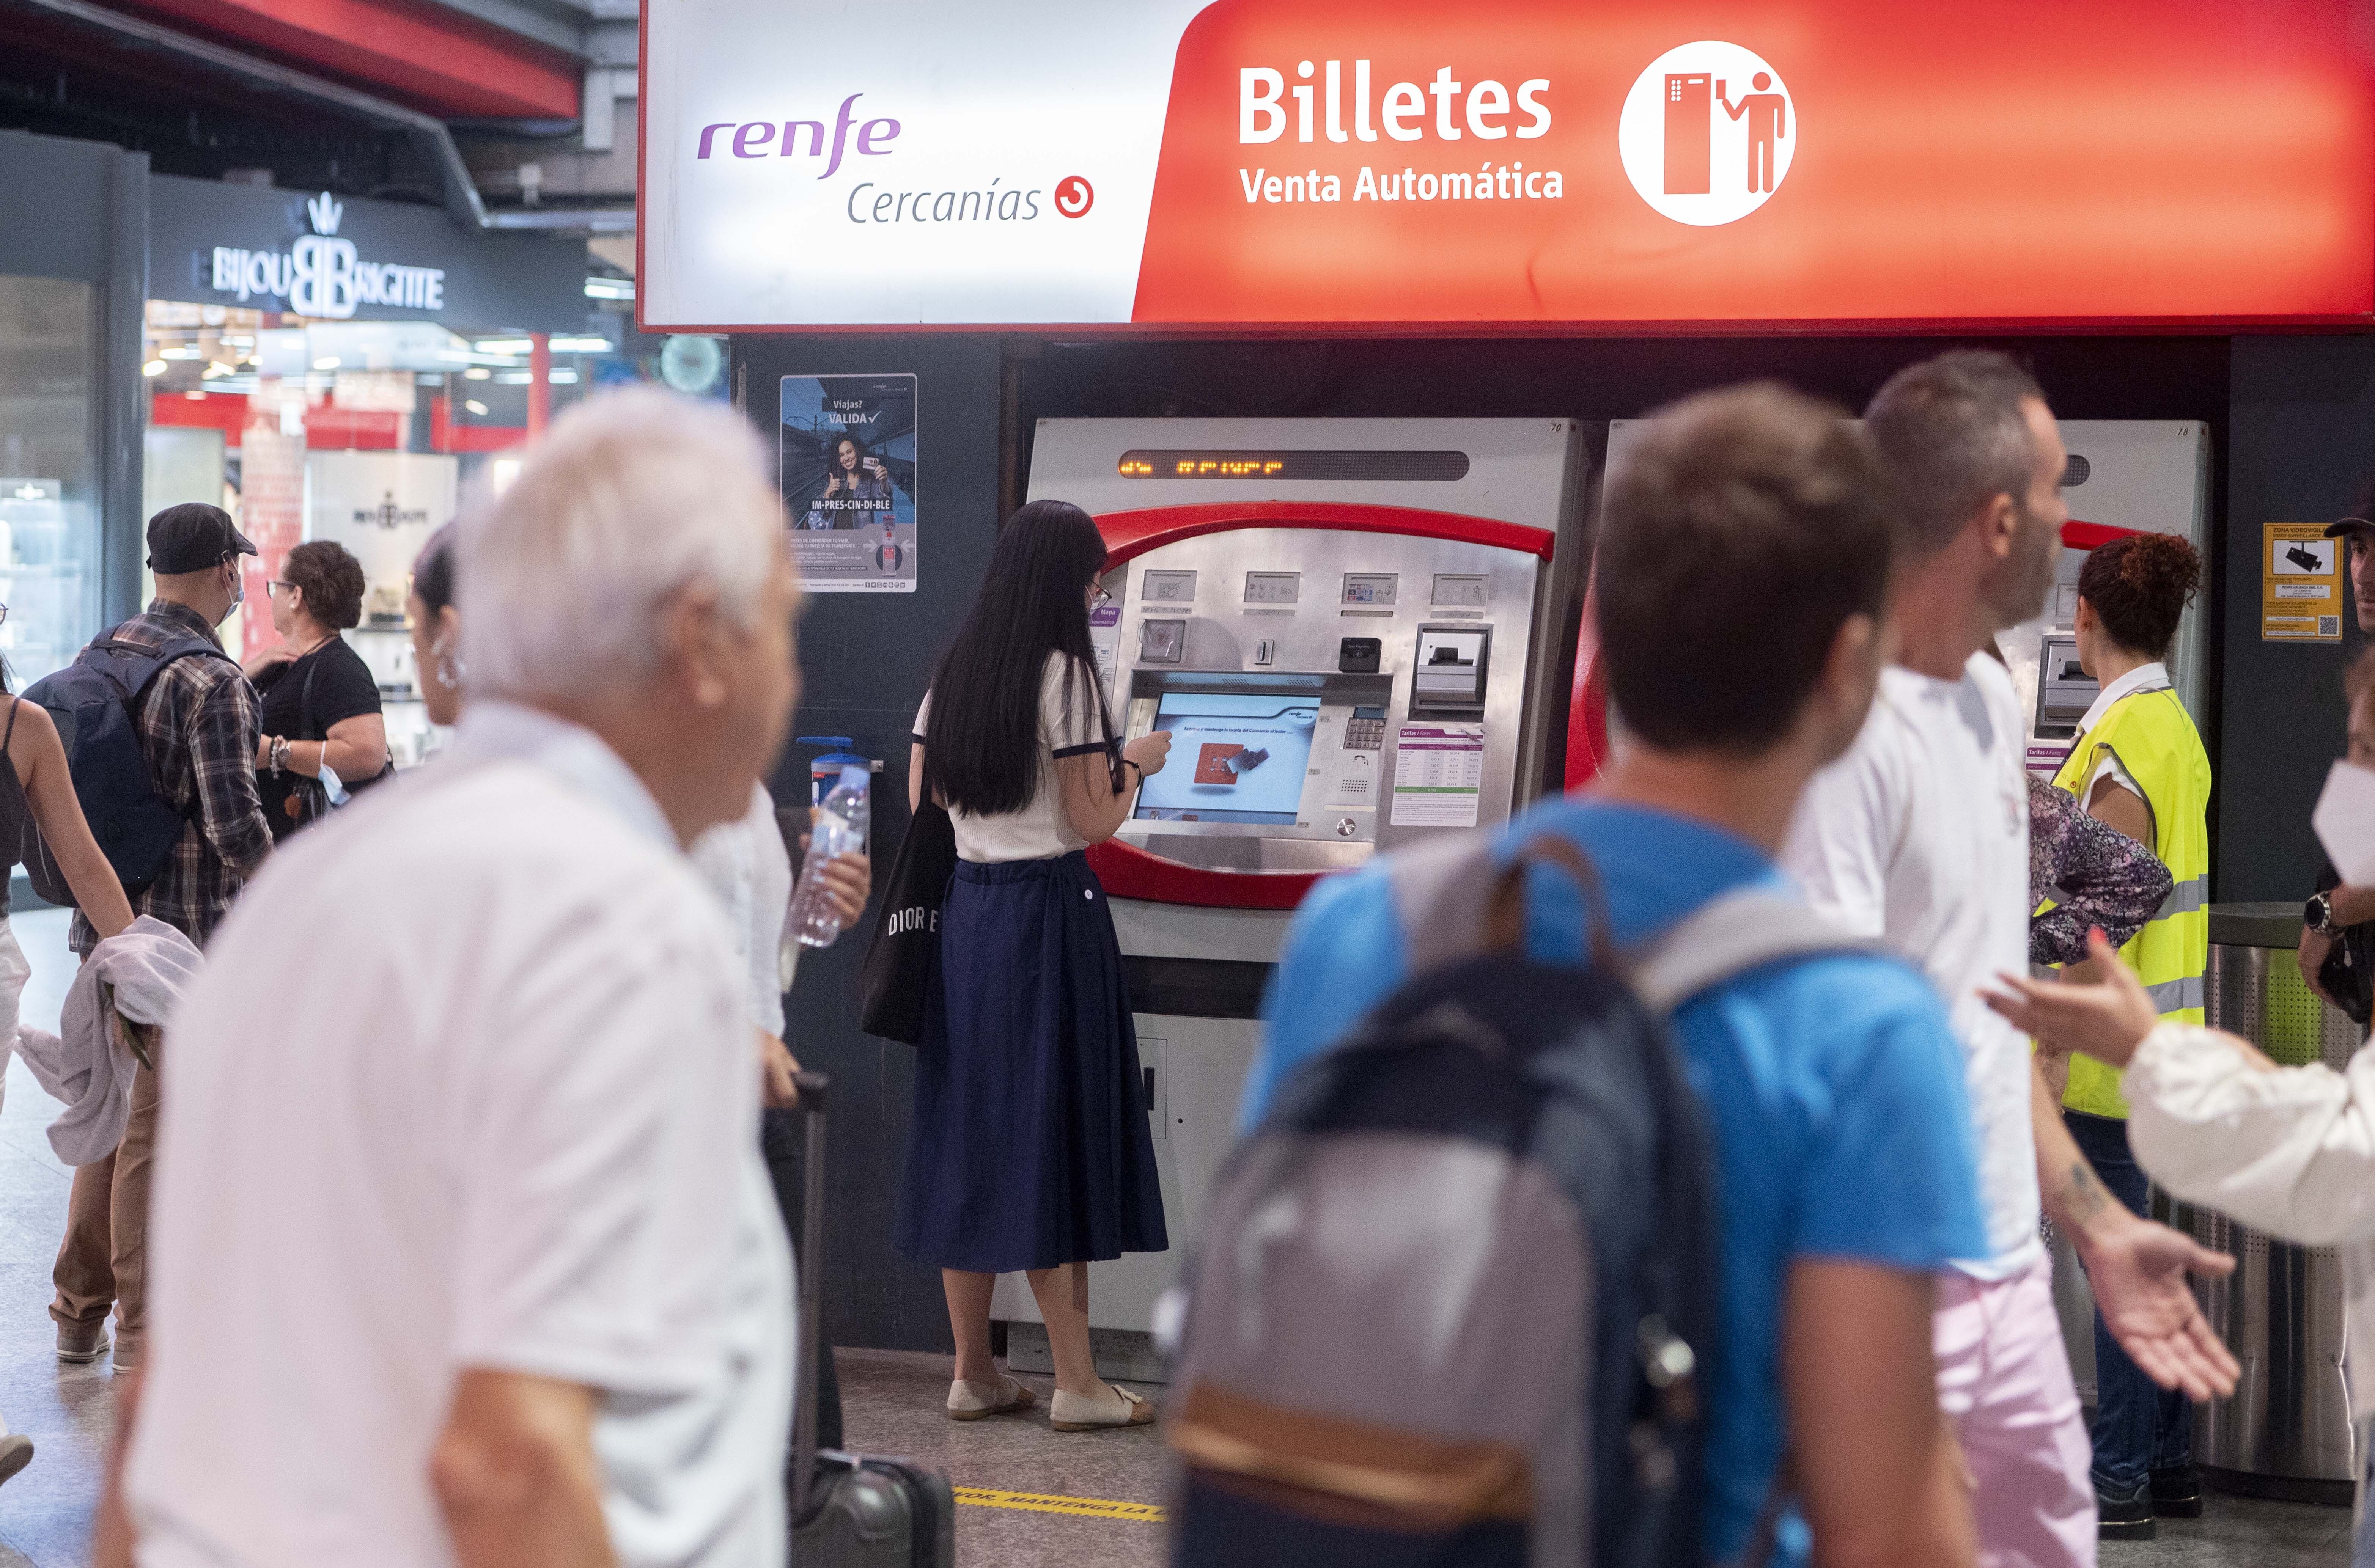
{"x":2337,"y":940}
{"x":198,"y":722}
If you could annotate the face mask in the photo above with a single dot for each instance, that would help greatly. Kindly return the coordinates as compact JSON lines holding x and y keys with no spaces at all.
{"x":238,"y":590}
{"x":2344,"y":821}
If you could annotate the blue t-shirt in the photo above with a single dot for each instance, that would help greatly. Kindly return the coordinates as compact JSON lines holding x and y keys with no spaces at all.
{"x":1832,"y":1087}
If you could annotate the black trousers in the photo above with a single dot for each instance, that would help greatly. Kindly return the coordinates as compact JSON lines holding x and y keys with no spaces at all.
{"x":780,"y":1142}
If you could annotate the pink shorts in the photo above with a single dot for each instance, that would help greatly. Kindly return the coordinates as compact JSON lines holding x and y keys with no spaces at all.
{"x":2004,"y":1379}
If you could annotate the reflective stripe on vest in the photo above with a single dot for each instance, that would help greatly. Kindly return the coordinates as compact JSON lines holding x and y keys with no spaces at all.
{"x":2188,"y":896}
{"x":2156,"y":743}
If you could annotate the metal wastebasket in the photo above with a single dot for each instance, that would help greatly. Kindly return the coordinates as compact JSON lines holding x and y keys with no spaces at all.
{"x":2286,"y":1432}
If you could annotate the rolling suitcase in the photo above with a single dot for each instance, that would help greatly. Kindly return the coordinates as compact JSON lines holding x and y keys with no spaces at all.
{"x":851,"y":1510}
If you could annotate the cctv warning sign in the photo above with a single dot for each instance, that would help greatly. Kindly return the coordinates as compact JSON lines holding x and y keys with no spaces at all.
{"x":2301,"y":584}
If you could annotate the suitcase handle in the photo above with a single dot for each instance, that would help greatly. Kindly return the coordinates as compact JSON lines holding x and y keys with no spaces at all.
{"x":814,"y":1089}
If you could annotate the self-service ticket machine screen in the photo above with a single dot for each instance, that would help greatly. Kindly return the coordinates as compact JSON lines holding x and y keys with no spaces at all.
{"x":1352,"y":631}
{"x":1328,"y":692}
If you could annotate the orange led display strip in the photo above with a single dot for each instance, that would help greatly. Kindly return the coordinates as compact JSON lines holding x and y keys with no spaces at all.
{"x":1324,"y":467}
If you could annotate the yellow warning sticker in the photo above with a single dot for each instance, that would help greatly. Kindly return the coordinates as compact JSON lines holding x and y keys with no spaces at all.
{"x":2301,"y":584}
{"x":1080,"y":1507}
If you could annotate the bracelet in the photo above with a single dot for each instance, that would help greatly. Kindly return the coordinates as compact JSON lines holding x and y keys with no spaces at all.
{"x":1128,"y":762}
{"x":279,"y":753}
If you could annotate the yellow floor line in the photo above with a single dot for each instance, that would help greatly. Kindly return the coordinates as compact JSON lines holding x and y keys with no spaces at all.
{"x":1080,"y":1507}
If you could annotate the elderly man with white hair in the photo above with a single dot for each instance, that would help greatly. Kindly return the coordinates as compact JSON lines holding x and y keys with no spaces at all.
{"x":497,"y":1111}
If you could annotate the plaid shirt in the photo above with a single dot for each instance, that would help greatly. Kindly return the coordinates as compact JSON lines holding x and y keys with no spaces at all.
{"x":199,"y":721}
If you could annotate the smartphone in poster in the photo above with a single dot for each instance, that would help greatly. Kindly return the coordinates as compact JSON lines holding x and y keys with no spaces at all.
{"x":849,"y":481}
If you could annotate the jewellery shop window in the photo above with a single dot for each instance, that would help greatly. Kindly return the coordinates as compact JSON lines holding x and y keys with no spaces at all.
{"x":369,"y":433}
{"x":49,"y":504}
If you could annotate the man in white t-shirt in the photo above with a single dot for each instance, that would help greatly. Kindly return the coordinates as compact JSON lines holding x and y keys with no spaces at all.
{"x":1920,"y":835}
{"x":475,"y":1058}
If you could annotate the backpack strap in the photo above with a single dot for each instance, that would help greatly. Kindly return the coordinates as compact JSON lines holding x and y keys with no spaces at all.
{"x":135,"y":664}
{"x":1731,"y":934}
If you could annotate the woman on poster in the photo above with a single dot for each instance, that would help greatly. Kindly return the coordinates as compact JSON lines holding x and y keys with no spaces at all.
{"x":858,"y":493}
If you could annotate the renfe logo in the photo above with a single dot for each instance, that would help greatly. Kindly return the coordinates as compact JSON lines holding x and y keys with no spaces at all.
{"x":753,"y":138}
{"x":1706,"y":133}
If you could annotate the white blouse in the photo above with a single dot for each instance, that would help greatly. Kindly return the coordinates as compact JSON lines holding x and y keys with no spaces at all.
{"x":1069,"y":726}
{"x":2290,"y":1152}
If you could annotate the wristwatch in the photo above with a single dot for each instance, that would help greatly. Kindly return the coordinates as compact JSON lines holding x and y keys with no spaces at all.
{"x":2318,"y":915}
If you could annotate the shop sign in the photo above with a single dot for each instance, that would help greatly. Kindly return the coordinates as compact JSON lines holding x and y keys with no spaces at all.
{"x":321,"y":275}
{"x":1323,"y":163}
{"x":343,"y":259}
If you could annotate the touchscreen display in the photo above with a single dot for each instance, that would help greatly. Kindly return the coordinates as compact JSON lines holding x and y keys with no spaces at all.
{"x":1234,"y":757}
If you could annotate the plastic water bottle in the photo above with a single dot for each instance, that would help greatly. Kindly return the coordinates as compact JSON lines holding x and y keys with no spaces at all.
{"x":839,"y":828}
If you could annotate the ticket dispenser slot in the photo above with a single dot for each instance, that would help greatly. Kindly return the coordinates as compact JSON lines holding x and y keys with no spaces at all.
{"x":1448,"y":673}
{"x":2064,"y":690}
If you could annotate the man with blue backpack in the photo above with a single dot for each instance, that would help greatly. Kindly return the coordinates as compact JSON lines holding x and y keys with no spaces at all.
{"x":1755,"y":1278}
{"x":161,"y":727}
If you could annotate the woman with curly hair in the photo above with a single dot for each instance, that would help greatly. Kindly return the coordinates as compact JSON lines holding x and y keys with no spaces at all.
{"x":2139,"y":767}
{"x":324,"y":733}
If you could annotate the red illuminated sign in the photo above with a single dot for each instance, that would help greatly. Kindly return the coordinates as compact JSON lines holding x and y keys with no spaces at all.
{"x":1503,"y":165}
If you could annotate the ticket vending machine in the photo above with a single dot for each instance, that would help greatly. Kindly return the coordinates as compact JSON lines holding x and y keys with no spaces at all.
{"x":2125,"y":475}
{"x":1356,"y":632}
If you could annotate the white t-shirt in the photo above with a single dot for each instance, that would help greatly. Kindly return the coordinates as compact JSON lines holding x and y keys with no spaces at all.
{"x":1919,"y":836}
{"x":747,"y":867}
{"x":467,"y":1083}
{"x":1069,"y":726}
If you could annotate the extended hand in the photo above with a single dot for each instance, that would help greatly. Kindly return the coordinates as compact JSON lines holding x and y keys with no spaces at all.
{"x":848,"y":879}
{"x":268,"y":659}
{"x":2138,"y":1272}
{"x":1150,"y":751}
{"x":2107,"y":1020}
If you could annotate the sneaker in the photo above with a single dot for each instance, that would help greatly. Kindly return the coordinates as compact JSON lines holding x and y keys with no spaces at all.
{"x":16,"y":1453}
{"x":2125,"y":1515}
{"x":80,"y":1342}
{"x":127,"y":1355}
{"x":2177,"y":1493}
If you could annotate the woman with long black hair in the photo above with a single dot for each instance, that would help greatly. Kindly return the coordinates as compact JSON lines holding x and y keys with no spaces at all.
{"x":1029,"y":1148}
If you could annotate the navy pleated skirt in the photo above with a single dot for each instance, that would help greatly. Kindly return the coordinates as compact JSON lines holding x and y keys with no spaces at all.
{"x":1029,"y":1147}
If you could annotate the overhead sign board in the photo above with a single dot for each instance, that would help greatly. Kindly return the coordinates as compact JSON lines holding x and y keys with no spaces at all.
{"x":1339,"y":164}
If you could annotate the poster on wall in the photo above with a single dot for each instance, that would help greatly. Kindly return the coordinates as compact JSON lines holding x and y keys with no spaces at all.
{"x":2301,"y":584}
{"x":849,"y":481}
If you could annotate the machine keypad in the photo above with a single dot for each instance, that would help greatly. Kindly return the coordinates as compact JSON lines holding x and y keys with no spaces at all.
{"x":1364,"y":735}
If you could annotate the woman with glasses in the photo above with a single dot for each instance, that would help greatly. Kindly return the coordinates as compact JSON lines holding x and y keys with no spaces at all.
{"x":1030,"y":1150}
{"x":323,"y":731}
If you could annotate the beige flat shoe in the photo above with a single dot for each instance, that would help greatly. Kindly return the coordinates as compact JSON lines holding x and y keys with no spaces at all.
{"x":1077,"y":1412}
{"x":973,"y":1401}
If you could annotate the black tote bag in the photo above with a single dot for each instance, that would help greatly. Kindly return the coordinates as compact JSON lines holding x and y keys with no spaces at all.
{"x":907,"y":945}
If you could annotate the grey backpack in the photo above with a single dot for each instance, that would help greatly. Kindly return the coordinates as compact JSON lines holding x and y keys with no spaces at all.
{"x":1456,"y":1294}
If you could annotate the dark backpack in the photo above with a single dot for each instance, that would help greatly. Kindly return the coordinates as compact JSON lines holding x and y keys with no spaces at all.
{"x":1456,"y":1297}
{"x":94,"y":704}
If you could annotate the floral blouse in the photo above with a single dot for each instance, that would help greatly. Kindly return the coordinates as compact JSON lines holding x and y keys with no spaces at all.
{"x":2094,"y":875}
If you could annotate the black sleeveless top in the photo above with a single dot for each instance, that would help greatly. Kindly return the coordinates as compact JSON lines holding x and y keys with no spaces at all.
{"x":15,"y":814}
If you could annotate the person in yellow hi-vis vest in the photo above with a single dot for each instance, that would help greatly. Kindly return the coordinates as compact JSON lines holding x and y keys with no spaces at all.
{"x":2139,"y":766}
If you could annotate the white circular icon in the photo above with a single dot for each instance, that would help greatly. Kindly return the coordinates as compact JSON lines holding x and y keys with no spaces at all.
{"x":1706,"y":133}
